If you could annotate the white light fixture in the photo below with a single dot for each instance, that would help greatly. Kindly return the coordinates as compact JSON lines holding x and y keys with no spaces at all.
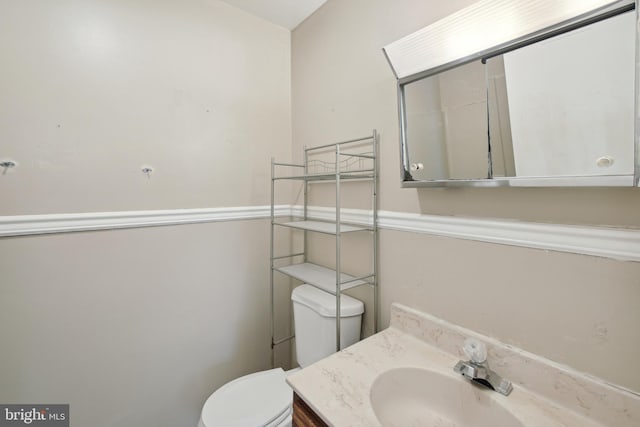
{"x":485,"y":25}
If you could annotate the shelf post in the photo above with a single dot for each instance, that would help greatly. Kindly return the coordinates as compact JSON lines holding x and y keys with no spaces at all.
{"x":306,"y":203}
{"x":376,"y":295}
{"x":338,"y":237}
{"x":271,"y":253}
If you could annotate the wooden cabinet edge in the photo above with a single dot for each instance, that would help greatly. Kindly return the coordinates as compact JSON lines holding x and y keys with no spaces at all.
{"x":304,"y":416}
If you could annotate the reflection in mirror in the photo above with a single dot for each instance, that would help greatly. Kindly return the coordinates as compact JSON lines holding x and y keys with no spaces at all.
{"x":446,"y":124}
{"x":564,"y":106}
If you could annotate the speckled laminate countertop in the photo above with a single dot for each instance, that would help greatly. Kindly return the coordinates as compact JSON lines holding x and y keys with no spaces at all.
{"x":544,"y":393}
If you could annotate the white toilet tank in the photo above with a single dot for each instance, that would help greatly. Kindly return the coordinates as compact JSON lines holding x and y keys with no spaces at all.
{"x":314,"y":313}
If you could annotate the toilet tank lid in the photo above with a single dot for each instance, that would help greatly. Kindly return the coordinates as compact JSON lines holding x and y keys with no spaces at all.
{"x":324,"y":303}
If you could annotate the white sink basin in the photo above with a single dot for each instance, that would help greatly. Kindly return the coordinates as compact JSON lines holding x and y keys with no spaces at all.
{"x":420,"y":397}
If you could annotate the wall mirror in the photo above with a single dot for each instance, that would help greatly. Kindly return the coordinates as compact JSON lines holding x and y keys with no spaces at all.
{"x":550,"y":104}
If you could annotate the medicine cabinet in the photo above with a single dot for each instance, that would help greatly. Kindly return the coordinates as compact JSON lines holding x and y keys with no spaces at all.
{"x":521,"y":93}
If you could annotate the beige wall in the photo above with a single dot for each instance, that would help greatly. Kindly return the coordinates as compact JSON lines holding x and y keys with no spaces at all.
{"x":133,"y":327}
{"x":575,"y":309}
{"x":93,"y":90}
{"x":137,"y":327}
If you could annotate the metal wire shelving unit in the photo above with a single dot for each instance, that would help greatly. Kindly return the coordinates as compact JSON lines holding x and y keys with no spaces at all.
{"x":352,"y":160}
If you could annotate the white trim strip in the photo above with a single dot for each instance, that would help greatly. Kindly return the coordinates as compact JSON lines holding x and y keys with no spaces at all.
{"x":616,"y":243}
{"x":64,"y":223}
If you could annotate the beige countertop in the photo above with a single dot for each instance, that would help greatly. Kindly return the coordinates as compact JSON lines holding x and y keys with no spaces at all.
{"x":544,"y":393}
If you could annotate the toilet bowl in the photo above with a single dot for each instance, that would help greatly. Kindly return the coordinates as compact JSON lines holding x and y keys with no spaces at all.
{"x":264,"y":398}
{"x":259,"y":399}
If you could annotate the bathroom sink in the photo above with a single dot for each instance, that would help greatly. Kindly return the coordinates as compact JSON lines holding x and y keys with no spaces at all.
{"x":420,"y":397}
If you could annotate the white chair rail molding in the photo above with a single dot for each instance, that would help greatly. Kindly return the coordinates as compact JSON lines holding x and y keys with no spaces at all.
{"x":615,"y":243}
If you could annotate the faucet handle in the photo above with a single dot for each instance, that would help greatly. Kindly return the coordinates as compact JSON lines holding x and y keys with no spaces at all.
{"x":475,"y":350}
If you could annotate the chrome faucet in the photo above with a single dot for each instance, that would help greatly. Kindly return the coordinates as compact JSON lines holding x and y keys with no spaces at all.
{"x":477,"y":369}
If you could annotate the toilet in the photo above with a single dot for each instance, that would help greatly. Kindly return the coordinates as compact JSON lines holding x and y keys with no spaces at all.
{"x":264,"y":398}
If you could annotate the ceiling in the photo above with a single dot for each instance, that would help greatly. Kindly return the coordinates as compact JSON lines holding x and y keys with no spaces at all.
{"x":285,"y":13}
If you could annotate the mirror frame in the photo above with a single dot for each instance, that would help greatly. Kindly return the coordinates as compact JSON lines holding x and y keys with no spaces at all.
{"x":404,"y":68}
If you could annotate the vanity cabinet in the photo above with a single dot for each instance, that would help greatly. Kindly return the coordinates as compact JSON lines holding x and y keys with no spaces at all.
{"x":304,"y":416}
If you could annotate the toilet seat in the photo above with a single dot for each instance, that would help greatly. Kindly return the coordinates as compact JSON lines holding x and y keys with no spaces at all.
{"x":259,"y":399}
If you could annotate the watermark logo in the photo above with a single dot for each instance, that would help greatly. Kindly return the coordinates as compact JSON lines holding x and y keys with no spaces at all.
{"x":34,"y":415}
